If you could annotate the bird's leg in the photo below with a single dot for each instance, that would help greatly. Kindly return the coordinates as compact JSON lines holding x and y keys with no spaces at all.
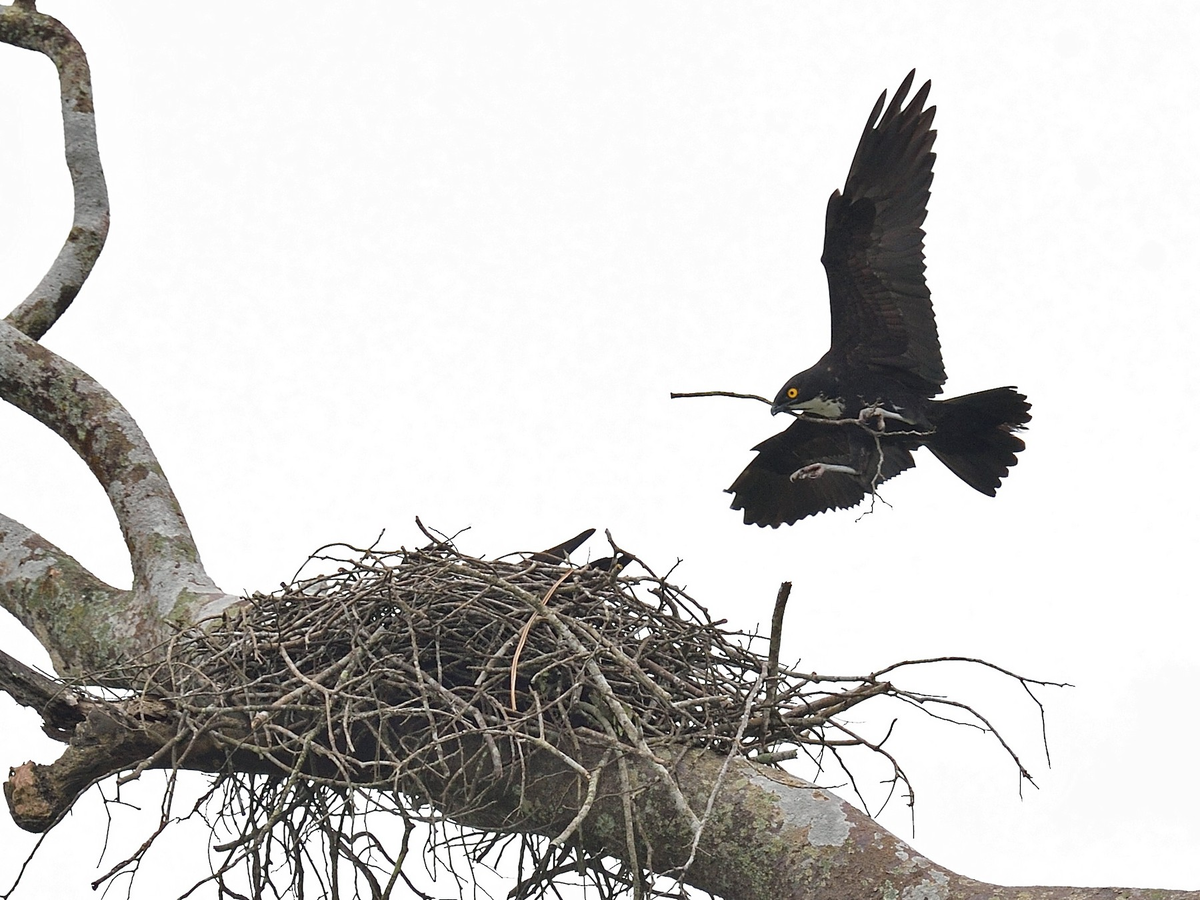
{"x":876,"y":416}
{"x":816,"y":470}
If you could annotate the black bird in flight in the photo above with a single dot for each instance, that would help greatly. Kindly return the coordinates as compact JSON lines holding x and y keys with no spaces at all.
{"x":868,"y":402}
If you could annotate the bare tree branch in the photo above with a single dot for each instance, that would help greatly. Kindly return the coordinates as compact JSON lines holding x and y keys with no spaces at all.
{"x":768,"y":834}
{"x":169,"y":581}
{"x":22,"y":26}
{"x":58,"y":705}
{"x":65,"y":606}
{"x":74,"y":615}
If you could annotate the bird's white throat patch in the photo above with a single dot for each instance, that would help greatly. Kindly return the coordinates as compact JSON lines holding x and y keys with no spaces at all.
{"x":822,"y":406}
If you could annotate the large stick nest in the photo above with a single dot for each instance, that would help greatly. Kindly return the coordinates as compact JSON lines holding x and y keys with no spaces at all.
{"x":423,"y":680}
{"x":424,"y":644}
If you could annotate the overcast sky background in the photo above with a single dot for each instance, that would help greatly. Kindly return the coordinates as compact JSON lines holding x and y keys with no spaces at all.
{"x":385,"y":260}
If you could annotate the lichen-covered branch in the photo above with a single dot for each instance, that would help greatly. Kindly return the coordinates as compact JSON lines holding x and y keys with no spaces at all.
{"x":78,"y":618}
{"x":769,"y":835}
{"x":84,"y":624}
{"x":169,"y":582}
{"x":772,"y":835}
{"x":22,"y":26}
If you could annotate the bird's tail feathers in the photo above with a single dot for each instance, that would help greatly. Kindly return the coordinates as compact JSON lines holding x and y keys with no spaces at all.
{"x":974,"y":436}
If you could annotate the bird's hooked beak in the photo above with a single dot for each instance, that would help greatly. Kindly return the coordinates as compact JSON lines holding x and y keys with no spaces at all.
{"x":820,"y":407}
{"x":793,"y":406}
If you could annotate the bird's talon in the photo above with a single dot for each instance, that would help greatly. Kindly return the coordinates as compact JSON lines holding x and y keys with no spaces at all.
{"x":816,"y":470}
{"x":873,"y":417}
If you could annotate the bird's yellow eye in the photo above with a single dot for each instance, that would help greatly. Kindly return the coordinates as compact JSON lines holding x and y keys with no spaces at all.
{"x":793,"y":393}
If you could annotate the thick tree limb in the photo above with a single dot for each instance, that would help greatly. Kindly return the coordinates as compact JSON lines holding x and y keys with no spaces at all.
{"x":774,"y":835}
{"x":78,"y":618}
{"x":169,"y":581}
{"x":768,"y":834}
{"x":22,"y":26}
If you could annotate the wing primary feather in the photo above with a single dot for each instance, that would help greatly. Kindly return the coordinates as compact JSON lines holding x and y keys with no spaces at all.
{"x":881,"y":315}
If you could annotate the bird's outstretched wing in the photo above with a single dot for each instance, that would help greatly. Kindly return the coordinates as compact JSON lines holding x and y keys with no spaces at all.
{"x":881,"y":314}
{"x":767,"y":494}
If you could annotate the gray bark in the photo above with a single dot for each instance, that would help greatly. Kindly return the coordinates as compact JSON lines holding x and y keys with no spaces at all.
{"x":86,"y":625}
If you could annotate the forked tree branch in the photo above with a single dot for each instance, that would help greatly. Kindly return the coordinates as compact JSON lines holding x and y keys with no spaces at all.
{"x":85,"y":624}
{"x":167,"y":575}
{"x":170,"y":585}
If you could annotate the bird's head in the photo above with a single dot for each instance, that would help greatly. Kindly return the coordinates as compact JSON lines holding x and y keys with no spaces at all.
{"x":814,"y":392}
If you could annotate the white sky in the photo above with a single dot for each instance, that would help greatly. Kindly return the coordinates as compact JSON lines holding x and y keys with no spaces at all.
{"x":382,"y":260}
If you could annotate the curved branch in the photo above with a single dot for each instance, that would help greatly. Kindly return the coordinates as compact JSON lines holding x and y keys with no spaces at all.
{"x":43,"y":583}
{"x":22,"y":26}
{"x":169,"y":581}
